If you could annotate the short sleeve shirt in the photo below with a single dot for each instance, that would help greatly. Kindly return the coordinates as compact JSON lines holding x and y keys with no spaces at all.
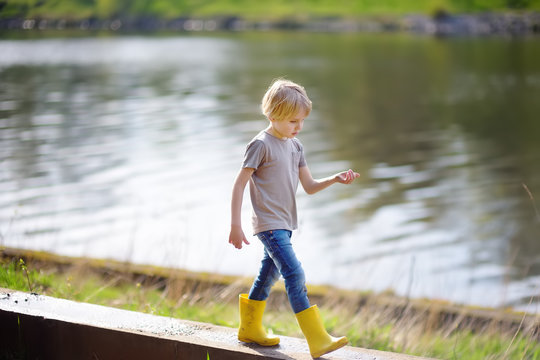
{"x":274,"y":182}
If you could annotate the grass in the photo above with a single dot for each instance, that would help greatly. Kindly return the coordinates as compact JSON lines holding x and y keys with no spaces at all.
{"x":405,"y":331}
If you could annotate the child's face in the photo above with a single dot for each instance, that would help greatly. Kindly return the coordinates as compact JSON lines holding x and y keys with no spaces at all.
{"x":290,"y":126}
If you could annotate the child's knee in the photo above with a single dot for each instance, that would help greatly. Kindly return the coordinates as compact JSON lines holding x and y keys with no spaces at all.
{"x":296,"y":277}
{"x":275,"y":277}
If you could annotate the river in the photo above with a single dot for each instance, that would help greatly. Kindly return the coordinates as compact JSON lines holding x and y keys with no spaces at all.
{"x":126,"y":147}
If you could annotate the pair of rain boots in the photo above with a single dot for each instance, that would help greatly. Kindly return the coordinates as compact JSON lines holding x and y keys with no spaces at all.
{"x":252,"y":331}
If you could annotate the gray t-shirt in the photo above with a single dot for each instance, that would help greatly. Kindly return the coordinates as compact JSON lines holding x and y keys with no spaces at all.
{"x":273,"y":185}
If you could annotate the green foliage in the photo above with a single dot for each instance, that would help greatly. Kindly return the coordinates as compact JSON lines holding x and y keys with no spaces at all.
{"x":16,"y":276}
{"x":484,"y":346}
{"x":23,"y":267}
{"x":523,"y":4}
{"x":106,"y":9}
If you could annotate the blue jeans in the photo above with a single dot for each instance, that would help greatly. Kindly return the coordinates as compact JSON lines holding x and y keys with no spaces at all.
{"x":279,"y":258}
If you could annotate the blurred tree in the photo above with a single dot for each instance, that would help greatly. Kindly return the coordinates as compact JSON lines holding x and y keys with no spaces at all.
{"x":517,"y":4}
{"x":140,"y":7}
{"x":15,"y":8}
{"x":106,"y":8}
{"x":81,"y":9}
{"x":167,"y":8}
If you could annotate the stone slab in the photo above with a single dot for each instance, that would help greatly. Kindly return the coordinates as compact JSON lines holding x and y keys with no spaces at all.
{"x":42,"y":327}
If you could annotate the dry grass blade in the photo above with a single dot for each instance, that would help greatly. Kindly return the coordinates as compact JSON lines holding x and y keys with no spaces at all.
{"x":533,"y":201}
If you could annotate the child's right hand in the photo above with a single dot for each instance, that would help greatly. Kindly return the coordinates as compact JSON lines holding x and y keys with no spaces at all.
{"x":347,"y":177}
{"x":237,"y":237}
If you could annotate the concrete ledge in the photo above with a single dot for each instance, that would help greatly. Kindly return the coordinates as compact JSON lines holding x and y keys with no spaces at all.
{"x":40,"y":327}
{"x":434,"y":314}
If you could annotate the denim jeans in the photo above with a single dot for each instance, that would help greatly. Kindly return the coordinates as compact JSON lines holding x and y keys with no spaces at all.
{"x":279,"y":258}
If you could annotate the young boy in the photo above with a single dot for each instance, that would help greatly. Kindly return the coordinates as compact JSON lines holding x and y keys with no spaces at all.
{"x":273,"y":164}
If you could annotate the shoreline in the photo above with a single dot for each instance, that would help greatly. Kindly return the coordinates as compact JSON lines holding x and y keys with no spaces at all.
{"x":435,"y":314}
{"x":444,"y":24}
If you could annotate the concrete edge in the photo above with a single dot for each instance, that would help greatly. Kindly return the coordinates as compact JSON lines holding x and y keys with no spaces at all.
{"x":42,"y":327}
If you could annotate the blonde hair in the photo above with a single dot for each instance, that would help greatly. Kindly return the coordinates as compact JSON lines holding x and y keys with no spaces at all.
{"x":284,"y":98}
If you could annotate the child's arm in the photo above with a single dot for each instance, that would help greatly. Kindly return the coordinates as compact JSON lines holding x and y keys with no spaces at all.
{"x":312,"y":186}
{"x":236,"y":236}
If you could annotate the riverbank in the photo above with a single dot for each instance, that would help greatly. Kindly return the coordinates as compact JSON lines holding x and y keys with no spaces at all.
{"x":440,"y":24}
{"x":376,"y":321}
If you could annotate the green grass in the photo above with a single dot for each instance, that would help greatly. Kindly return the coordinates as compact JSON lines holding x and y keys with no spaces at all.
{"x":14,"y":276}
{"x":364,"y":328}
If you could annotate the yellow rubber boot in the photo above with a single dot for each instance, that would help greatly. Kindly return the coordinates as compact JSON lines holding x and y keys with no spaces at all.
{"x":251,"y":329}
{"x":319,"y":341}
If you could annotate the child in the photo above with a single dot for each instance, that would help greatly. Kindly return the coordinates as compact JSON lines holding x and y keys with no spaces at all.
{"x":273,"y":164}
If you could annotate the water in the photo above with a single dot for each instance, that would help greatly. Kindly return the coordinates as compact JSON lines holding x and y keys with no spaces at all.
{"x":127,"y":148}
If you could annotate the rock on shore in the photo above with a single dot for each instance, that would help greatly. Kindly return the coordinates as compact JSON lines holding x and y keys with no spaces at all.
{"x":441,"y":24}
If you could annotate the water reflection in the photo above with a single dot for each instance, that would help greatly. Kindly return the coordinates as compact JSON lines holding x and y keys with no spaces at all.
{"x":127,"y":148}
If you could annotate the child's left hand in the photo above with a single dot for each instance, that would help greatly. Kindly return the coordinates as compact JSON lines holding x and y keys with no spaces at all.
{"x":347,"y":177}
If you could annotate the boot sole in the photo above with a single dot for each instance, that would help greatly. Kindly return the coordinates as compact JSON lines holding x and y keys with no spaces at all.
{"x":267,"y":343}
{"x":335,"y":346}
